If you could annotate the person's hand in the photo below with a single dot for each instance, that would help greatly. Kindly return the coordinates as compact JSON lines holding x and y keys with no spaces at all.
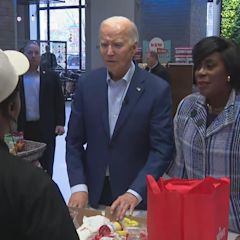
{"x":59,"y":130}
{"x":78,"y":199}
{"x":125,"y":202}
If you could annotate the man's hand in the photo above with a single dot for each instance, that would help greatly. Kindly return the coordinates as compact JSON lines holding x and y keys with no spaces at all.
{"x":78,"y":199}
{"x":125,"y":202}
{"x":59,"y":130}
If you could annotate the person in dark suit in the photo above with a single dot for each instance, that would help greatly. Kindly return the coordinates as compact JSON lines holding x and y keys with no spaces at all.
{"x":123,"y":114}
{"x":42,"y":115}
{"x":48,"y":59}
{"x":155,"y":67}
{"x":31,"y":204}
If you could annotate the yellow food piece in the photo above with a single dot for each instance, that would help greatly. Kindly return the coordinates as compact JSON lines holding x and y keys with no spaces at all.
{"x":117,"y":226}
{"x":122,"y":233}
{"x":127,"y":222}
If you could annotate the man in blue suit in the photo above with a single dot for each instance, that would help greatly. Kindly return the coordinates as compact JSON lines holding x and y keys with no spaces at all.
{"x":123,"y":115}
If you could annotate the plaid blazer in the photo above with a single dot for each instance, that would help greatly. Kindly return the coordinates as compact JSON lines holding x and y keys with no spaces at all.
{"x":214,"y":150}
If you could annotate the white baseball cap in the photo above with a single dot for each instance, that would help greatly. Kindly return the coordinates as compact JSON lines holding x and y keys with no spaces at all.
{"x":12,"y":65}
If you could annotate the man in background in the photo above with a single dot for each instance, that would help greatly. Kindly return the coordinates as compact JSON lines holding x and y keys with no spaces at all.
{"x":123,"y":115}
{"x":48,"y":59}
{"x":155,"y":67}
{"x":42,"y":115}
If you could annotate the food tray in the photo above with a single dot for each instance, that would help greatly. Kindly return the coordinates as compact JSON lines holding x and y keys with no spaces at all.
{"x":32,"y":150}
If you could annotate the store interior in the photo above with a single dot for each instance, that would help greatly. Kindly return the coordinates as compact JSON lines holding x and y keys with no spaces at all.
{"x":70,"y":29}
{"x":180,"y":24}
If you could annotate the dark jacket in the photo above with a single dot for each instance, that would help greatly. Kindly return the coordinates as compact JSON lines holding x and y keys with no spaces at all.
{"x":31,"y":204}
{"x":160,"y":71}
{"x":52,"y":114}
{"x":51,"y":105}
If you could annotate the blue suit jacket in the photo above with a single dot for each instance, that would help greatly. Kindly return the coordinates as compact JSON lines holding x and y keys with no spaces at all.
{"x":142,"y":141}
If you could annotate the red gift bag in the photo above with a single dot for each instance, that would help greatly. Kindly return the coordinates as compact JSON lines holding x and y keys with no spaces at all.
{"x":181,"y":209}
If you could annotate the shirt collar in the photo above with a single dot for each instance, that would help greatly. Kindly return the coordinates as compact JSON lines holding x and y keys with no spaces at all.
{"x":230,"y":102}
{"x":29,"y":73}
{"x":127,"y":77}
{"x":154,"y":65}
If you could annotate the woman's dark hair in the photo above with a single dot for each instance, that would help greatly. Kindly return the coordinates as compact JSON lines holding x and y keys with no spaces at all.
{"x":4,"y":105}
{"x":229,"y":51}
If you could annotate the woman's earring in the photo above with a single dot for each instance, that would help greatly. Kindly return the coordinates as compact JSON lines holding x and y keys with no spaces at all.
{"x":228,"y":79}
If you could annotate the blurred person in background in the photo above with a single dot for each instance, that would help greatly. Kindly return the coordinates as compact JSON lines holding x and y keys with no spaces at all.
{"x":155,"y":67}
{"x":48,"y":59}
{"x":42,"y":115}
{"x":207,"y":123}
{"x":32,"y":206}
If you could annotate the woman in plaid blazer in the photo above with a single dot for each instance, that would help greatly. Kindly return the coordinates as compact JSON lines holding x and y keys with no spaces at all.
{"x":207,"y":123}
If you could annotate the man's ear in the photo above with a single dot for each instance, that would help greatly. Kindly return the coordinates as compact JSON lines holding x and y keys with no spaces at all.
{"x":134,"y":47}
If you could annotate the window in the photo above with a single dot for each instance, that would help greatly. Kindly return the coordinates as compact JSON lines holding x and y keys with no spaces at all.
{"x":65,"y":3}
{"x":65,"y":22}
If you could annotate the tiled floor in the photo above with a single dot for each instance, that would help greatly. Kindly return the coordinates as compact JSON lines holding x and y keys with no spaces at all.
{"x":59,"y":170}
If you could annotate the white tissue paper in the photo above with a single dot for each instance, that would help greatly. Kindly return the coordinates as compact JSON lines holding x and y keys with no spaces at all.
{"x":90,"y":226}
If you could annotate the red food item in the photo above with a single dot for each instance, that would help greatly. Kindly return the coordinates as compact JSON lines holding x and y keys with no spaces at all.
{"x":104,"y":231}
{"x":97,"y":237}
{"x":143,"y":236}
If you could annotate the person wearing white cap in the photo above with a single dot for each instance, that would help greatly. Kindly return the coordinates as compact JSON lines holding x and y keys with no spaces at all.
{"x":31,"y":204}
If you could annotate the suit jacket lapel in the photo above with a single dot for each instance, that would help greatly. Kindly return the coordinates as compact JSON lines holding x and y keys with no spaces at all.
{"x":22,"y":115}
{"x":104,"y":106}
{"x":43,"y":80}
{"x":135,"y":90}
{"x":22,"y":97}
{"x":199,"y":118}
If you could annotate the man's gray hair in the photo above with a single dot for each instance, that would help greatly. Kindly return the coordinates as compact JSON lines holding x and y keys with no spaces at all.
{"x":133,"y":31}
{"x":31,"y":42}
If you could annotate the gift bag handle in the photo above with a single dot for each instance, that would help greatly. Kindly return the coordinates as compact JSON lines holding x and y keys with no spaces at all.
{"x":209,"y":184}
{"x":153,"y":185}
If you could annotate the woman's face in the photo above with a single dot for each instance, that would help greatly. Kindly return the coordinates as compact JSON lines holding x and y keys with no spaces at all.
{"x":211,"y":77}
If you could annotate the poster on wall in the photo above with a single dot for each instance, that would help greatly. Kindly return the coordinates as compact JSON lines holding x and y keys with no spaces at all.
{"x":156,"y":44}
{"x":183,"y":54}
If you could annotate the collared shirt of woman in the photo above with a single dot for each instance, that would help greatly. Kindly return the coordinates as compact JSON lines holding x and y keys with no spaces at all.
{"x":207,"y":123}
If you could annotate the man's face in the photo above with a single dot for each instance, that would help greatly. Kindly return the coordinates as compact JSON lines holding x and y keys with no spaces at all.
{"x":117,"y":49}
{"x":151,"y":61}
{"x":32,"y":52}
